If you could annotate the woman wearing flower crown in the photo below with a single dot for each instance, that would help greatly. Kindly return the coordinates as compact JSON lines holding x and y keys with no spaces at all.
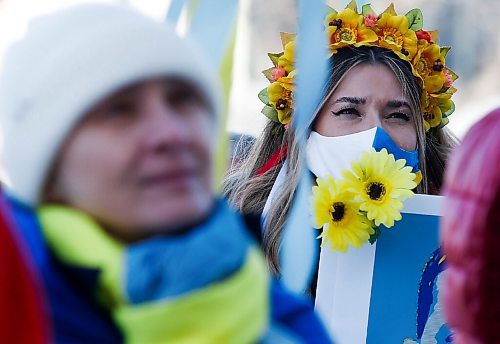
{"x":389,"y":89}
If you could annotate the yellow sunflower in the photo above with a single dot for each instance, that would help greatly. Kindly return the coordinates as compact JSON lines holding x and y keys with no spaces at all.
{"x":347,"y":28}
{"x":394,"y":34}
{"x":380,"y":183}
{"x":335,"y":210}
{"x":281,"y":97}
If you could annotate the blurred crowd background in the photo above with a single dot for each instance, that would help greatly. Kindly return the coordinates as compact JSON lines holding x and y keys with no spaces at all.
{"x":469,"y":27}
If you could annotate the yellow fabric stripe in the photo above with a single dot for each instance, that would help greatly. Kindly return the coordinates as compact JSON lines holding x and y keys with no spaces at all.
{"x":77,"y":239}
{"x":231,"y":311}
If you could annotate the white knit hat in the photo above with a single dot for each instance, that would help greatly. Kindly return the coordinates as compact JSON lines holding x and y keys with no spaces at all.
{"x":67,"y":62}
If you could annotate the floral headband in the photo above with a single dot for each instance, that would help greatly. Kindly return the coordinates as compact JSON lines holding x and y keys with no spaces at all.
{"x":402,"y":34}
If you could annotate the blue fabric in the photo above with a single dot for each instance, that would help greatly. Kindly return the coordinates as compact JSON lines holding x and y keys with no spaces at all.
{"x":74,"y":318}
{"x":296,"y":314}
{"x":299,"y":250}
{"x":207,"y":254}
{"x":212,"y":24}
{"x":383,"y":140}
{"x":174,"y":11}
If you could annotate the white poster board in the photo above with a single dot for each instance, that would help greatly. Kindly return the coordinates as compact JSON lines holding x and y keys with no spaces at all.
{"x":387,"y":292}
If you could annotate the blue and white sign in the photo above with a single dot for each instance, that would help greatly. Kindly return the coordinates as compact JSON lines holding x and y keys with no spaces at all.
{"x":388,"y":292}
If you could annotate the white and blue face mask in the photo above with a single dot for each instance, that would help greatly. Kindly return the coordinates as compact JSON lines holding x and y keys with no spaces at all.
{"x":330,"y":155}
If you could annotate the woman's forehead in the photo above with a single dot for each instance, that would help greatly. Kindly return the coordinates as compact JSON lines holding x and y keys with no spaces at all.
{"x":366,"y":83}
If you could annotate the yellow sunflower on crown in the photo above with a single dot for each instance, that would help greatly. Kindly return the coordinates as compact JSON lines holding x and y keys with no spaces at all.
{"x":347,"y":28}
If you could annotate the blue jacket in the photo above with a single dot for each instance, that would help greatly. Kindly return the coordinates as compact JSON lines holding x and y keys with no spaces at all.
{"x":77,"y":318}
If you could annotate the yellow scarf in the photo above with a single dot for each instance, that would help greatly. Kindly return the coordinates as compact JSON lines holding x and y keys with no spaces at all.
{"x":232,"y":310}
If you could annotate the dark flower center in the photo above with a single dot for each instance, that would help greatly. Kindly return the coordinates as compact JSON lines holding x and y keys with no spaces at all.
{"x":375,"y":191}
{"x":338,"y":211}
{"x":281,"y":104}
{"x":336,"y":22}
{"x":438,"y":65}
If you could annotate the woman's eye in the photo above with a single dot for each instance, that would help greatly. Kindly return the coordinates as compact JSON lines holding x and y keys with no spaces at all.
{"x":346,"y":112}
{"x":182,"y":97}
{"x":185,"y":100}
{"x":399,"y":116}
{"x":120,"y":108}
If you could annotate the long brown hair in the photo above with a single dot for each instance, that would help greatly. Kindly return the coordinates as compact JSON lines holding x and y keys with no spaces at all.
{"x":248,"y":191}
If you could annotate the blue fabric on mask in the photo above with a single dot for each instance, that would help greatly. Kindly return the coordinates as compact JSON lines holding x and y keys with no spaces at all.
{"x":383,"y":140}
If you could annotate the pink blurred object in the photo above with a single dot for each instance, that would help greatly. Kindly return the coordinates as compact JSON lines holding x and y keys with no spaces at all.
{"x":470,"y":233}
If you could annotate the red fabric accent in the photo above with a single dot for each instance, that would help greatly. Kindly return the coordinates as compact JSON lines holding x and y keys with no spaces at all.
{"x":470,"y":231}
{"x":22,"y":316}
{"x":278,"y":156}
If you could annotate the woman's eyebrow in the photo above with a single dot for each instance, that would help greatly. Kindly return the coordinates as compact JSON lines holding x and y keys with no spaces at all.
{"x":393,"y":104}
{"x":352,"y":100}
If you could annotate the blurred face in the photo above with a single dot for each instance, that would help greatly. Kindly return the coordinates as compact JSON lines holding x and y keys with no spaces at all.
{"x":369,"y":96}
{"x":140,"y":161}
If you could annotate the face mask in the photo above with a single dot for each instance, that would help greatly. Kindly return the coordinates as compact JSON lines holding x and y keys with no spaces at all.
{"x":330,"y":155}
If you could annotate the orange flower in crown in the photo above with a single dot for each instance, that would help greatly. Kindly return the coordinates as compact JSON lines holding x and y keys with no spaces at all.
{"x":280,"y":97}
{"x":402,"y":34}
{"x":395,"y":34}
{"x":436,"y":109}
{"x":429,"y":65}
{"x":347,"y":28}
